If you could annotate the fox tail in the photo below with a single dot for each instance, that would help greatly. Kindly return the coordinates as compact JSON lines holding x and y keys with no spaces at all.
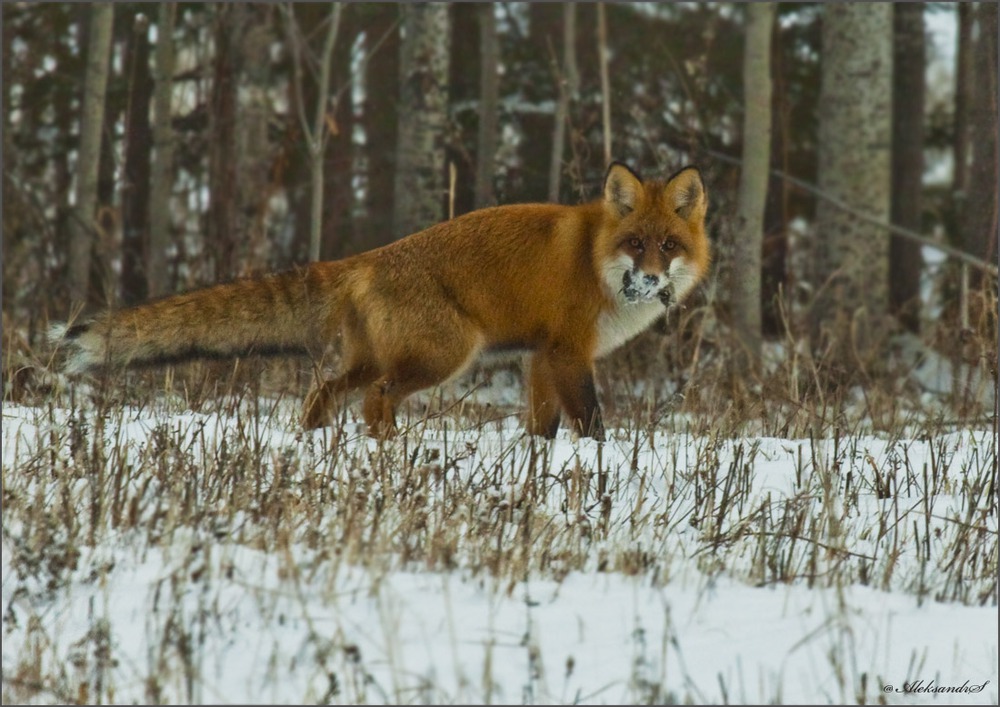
{"x":291,"y":312}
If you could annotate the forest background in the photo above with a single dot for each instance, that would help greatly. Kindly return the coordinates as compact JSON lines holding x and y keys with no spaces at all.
{"x":262,"y":136}
{"x":797,"y":500}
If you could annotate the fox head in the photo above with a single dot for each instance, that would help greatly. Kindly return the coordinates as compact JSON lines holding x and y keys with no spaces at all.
{"x":654,"y":244}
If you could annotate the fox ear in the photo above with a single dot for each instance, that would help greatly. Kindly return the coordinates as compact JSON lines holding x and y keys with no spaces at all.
{"x":686,"y":194}
{"x":622,"y":188}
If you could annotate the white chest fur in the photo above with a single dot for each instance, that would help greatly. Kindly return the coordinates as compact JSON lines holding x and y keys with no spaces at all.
{"x":627,"y":320}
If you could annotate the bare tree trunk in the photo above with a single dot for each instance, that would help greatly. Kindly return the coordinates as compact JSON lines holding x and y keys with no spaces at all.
{"x":301,"y":93}
{"x":380,"y":120}
{"x":135,"y":190}
{"x":220,"y":232}
{"x":486,"y":140}
{"x":568,"y":88}
{"x":980,"y":227}
{"x":909,"y":62}
{"x":743,"y":290}
{"x":253,"y":147}
{"x":774,"y":273}
{"x":602,"y":49}
{"x":963,"y":86}
{"x":162,"y":176}
{"x":423,"y":116}
{"x":239,"y":151}
{"x":465,"y":93}
{"x":319,"y":135}
{"x":531,"y":180}
{"x":103,"y":278}
{"x":848,"y":319}
{"x":91,"y":129}
{"x":338,"y":168}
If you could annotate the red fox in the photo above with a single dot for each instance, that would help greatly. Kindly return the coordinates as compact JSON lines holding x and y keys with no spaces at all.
{"x":566,"y":284}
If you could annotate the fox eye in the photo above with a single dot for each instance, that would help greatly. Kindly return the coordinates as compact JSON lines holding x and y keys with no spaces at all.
{"x":668,"y":244}
{"x":635,"y":243}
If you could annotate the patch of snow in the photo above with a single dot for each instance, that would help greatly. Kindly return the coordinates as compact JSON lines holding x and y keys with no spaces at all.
{"x":201,"y":617}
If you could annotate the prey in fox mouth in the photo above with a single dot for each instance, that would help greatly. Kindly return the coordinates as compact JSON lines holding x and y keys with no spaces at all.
{"x":643,"y":287}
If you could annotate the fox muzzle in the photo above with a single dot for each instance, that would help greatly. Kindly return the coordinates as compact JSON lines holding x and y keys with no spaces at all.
{"x":638,"y":286}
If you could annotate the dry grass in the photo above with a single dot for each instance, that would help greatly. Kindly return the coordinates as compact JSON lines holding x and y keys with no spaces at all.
{"x":877,"y":498}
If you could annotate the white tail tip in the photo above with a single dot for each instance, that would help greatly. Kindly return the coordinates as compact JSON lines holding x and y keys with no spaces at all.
{"x":57,"y":332}
{"x":81,"y":356}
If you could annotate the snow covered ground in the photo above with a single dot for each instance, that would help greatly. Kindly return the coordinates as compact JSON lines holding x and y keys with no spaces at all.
{"x":165,"y":555}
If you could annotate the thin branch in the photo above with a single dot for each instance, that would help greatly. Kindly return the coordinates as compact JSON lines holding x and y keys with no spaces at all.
{"x":568,"y":85}
{"x":844,"y":206}
{"x":364,"y":61}
{"x":324,"y":82}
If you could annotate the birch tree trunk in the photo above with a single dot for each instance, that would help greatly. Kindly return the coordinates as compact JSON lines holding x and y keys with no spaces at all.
{"x":423,"y":117}
{"x":743,"y":287}
{"x":568,"y":88}
{"x":909,"y":62}
{"x":848,"y":319}
{"x":489,"y":82}
{"x":88,"y":159}
{"x":162,"y":177}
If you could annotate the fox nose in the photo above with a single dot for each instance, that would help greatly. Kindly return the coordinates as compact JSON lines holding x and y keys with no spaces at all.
{"x":651,"y":280}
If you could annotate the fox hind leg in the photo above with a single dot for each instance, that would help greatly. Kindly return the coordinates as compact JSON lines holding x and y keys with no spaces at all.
{"x":321,"y":402}
{"x":385,"y":394}
{"x":380,"y":408}
{"x":360,"y":369}
{"x":406,"y":377}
